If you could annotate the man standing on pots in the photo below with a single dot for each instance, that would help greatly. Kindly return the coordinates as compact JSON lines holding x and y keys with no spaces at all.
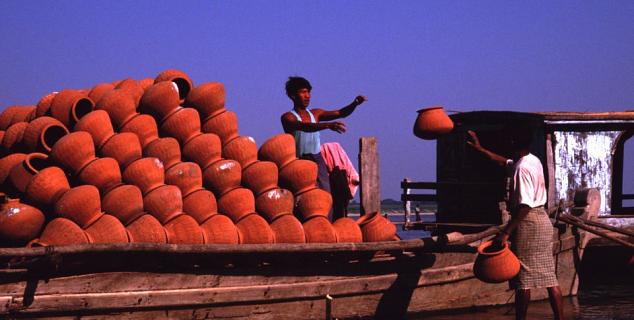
{"x":530,"y":225}
{"x":304,"y":124}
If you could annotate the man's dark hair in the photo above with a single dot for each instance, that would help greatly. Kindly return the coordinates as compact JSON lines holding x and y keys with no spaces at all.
{"x":296,"y":83}
{"x":521,"y":134}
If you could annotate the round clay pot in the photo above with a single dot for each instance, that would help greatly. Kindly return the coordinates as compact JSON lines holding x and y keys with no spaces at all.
{"x":180,"y":78}
{"x":81,"y":204}
{"x":124,"y":202}
{"x":160,"y":100}
{"x":107,"y":229}
{"x":183,"y":124}
{"x":146,"y":229}
{"x":6,"y":116}
{"x":375,"y":227}
{"x":287,"y":229}
{"x":146,"y":83}
{"x":123,"y":147}
{"x":208,"y":98}
{"x":133,"y":87}
{"x":44,"y":105}
{"x":61,"y":232}
{"x":14,"y":136}
{"x":279,"y":149}
{"x":312,"y":203}
{"x":15,"y":114}
{"x":7,"y":163}
{"x":47,"y":186}
{"x":98,"y":124}
{"x":42,"y":133}
{"x":432,"y":123}
{"x":319,"y":230}
{"x":260,"y":176}
{"x":97,"y":92}
{"x":274,"y":203}
{"x":146,"y":173}
{"x":187,"y":176}
{"x":203,"y":149}
{"x":74,"y":151}
{"x":298,"y":176}
{"x":69,"y":106}
{"x":347,"y":230}
{"x":19,"y":223}
{"x":495,"y":265}
{"x":183,"y":230}
{"x":242,"y":149}
{"x":222,"y":176}
{"x":103,"y":173}
{"x":120,"y":105}
{"x":224,"y":124}
{"x":200,"y":204}
{"x":144,"y":126}
{"x":165,"y":149}
{"x":254,"y":229}
{"x":22,"y":173}
{"x":237,"y":203}
{"x":164,"y":203}
{"x":219,"y":229}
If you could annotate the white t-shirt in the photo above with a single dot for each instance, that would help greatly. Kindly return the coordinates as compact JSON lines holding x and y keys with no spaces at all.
{"x":529,"y":186}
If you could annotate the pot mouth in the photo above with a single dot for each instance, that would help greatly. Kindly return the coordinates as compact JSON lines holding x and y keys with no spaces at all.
{"x":487,"y":248}
{"x":430,"y":108}
{"x":364,"y":219}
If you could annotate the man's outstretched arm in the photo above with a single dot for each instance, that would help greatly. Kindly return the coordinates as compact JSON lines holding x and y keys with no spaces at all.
{"x":290,"y":124}
{"x":329,"y":115}
{"x":475,"y":143}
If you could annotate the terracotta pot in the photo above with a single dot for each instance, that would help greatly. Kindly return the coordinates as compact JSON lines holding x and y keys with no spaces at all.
{"x":44,"y":105}
{"x":279,"y":149}
{"x":260,"y":176}
{"x":74,"y":151}
{"x":274,"y":203}
{"x":298,"y":176}
{"x":6,"y":116}
{"x":123,"y":147}
{"x":219,"y":229}
{"x":254,"y":229}
{"x":120,"y":105}
{"x":180,"y":78}
{"x":237,"y":203}
{"x":69,"y":106}
{"x":133,"y":87}
{"x":164,"y":203}
{"x":7,"y":163}
{"x":107,"y":229}
{"x":61,"y":232}
{"x":98,"y":125}
{"x":312,"y":203}
{"x":165,"y":149}
{"x":287,"y":229}
{"x":242,"y":149}
{"x":208,"y":98}
{"x":183,"y":124}
{"x":319,"y":230}
{"x":47,"y":186}
{"x":81,"y":204}
{"x":144,"y":126}
{"x":224,"y":124}
{"x":103,"y":173}
{"x":375,"y":227}
{"x":97,"y":92}
{"x":146,"y":229}
{"x":42,"y":133}
{"x":183,"y":230}
{"x":432,"y":123}
{"x":203,"y":149}
{"x":14,"y":114}
{"x":14,"y":136}
{"x":19,"y":223}
{"x":145,"y":173}
{"x":222,"y":176}
{"x":124,"y":202}
{"x":146,"y":83}
{"x":495,"y":265}
{"x":160,"y":100}
{"x":187,"y":176}
{"x":200,"y":204}
{"x":22,"y":173}
{"x":347,"y":230}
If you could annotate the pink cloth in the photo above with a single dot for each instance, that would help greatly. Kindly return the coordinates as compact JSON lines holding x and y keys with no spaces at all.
{"x":335,"y":156}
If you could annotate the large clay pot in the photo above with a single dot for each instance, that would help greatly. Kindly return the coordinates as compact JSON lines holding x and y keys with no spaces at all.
{"x":22,"y":173}
{"x":219,"y":229}
{"x":432,"y":123}
{"x":7,"y":163}
{"x":279,"y":149}
{"x":146,"y":173}
{"x":42,"y":133}
{"x":146,"y":83}
{"x":107,"y":229}
{"x":14,"y":136}
{"x":237,"y":203}
{"x":43,"y":106}
{"x":103,"y":173}
{"x":180,"y":78}
{"x":495,"y":265}
{"x":146,"y":229}
{"x":6,"y":116}
{"x":61,"y":232}
{"x":298,"y":176}
{"x":124,"y":202}
{"x":287,"y":229}
{"x":164,"y":203}
{"x":19,"y":223}
{"x":165,"y":149}
{"x":203,"y":149}
{"x":74,"y":151}
{"x":260,"y":176}
{"x":183,"y":230}
{"x":224,"y":124}
{"x":15,"y":114}
{"x":375,"y":227}
{"x":347,"y":230}
{"x":69,"y":106}
{"x":275,"y":203}
{"x":319,"y":230}
{"x":123,"y":147}
{"x":222,"y":176}
{"x":47,"y":186}
{"x":98,"y":91}
{"x":242,"y":149}
{"x":144,"y":126}
{"x":98,"y":125}
{"x":312,"y":203}
{"x":183,"y":124}
{"x":81,"y":204}
{"x":120,"y":105}
{"x":254,"y":229}
{"x":133,"y":87}
{"x":160,"y":100}
{"x":187,"y":176}
{"x":200,"y":205}
{"x":208,"y":98}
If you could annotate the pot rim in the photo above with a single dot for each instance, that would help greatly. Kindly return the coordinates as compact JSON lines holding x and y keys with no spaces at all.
{"x":429,"y":109}
{"x":489,"y":243}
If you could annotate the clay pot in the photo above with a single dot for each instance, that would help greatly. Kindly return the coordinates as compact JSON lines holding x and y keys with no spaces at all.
{"x":260,"y":176}
{"x":69,"y":106}
{"x":120,"y":105}
{"x":180,"y":78}
{"x":208,"y":98}
{"x":164,"y":203}
{"x":222,"y":176}
{"x":123,"y":147}
{"x":242,"y":149}
{"x":146,"y":229}
{"x":81,"y":204}
{"x":146,"y":83}
{"x":19,"y":223}
{"x":319,"y":230}
{"x":224,"y":124}
{"x":298,"y":176}
{"x":133,"y":87}
{"x":7,"y":163}
{"x":347,"y":230}
{"x":287,"y":229}
{"x":183,"y":230}
{"x":61,"y":232}
{"x":274,"y":203}
{"x":98,"y":125}
{"x":103,"y":173}
{"x":203,"y":149}
{"x":44,"y":105}
{"x":279,"y":149}
{"x":160,"y":100}
{"x":107,"y":229}
{"x":219,"y":229}
{"x":74,"y":151}
{"x":183,"y":124}
{"x":145,"y":173}
{"x":495,"y":265}
{"x":312,"y":203}
{"x":200,"y":204}
{"x":144,"y":126}
{"x":14,"y":136}
{"x":237,"y":203}
{"x":375,"y":227}
{"x":47,"y":186}
{"x":6,"y":116}
{"x":165,"y":149}
{"x":254,"y":229}
{"x":14,"y":114}
{"x":186,"y":176}
{"x":42,"y":133}
{"x":124,"y":202}
{"x":432,"y":123}
{"x":97,"y":92}
{"x":21,"y":173}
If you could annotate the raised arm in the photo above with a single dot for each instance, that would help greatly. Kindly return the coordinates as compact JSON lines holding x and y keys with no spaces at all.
{"x":290,"y":124}
{"x":329,"y":115}
{"x":475,"y":143}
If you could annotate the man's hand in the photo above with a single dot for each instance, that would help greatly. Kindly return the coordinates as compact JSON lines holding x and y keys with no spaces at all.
{"x":474,"y":141}
{"x":359,"y":100}
{"x":337,"y":126}
{"x":500,"y":239}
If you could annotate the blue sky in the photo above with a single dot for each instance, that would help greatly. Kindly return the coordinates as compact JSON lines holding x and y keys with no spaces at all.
{"x":403,"y":55}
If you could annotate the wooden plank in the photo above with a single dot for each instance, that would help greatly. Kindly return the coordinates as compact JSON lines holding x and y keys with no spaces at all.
{"x":369,"y":175}
{"x":550,"y":174}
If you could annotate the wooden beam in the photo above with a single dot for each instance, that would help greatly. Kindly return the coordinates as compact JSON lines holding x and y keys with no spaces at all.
{"x":369,"y":175}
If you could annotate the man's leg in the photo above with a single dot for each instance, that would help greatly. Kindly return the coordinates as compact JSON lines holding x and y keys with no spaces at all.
{"x":556,"y":302}
{"x":522,"y":298}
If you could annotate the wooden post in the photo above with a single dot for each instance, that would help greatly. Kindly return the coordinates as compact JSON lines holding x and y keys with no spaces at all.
{"x":369,"y":175}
